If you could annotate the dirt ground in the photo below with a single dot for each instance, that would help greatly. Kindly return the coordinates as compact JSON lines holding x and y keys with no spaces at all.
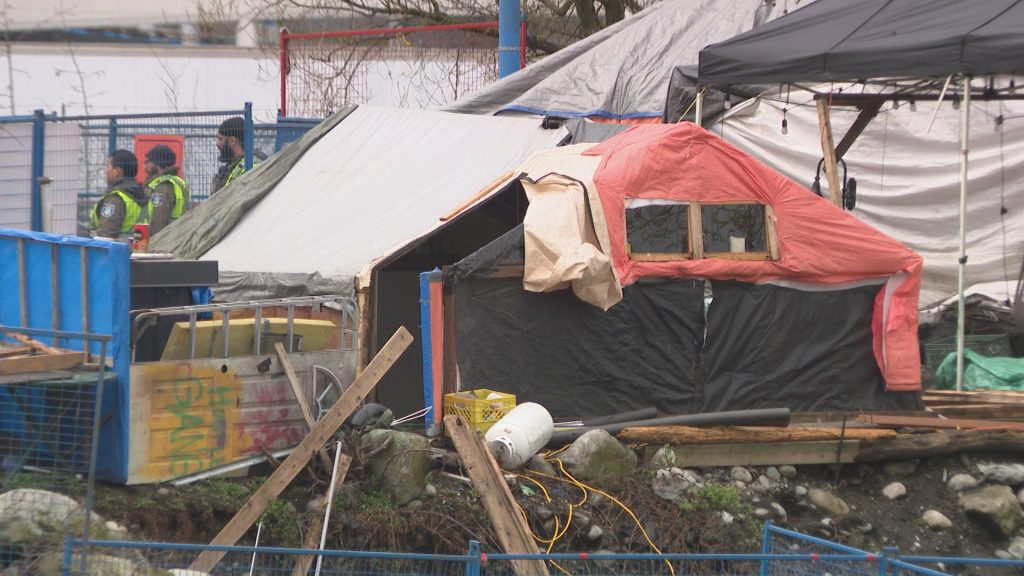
{"x":364,"y":519}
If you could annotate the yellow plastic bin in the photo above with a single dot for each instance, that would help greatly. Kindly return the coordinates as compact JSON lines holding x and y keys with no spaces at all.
{"x":480,"y":407}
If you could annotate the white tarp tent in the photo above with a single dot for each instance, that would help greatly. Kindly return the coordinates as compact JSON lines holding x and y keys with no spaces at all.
{"x":379,"y":179}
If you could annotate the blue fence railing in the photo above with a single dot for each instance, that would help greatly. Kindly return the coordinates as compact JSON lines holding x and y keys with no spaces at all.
{"x":785,"y":553}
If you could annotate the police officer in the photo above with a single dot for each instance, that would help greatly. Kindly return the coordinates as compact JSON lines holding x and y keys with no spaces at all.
{"x":124,"y":203}
{"x":231,"y":147}
{"x":169,"y":195}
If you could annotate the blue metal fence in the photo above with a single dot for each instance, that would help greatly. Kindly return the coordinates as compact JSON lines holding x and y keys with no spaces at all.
{"x":52,"y":168}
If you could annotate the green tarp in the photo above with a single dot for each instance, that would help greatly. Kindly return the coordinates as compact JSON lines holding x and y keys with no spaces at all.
{"x":981,"y":372}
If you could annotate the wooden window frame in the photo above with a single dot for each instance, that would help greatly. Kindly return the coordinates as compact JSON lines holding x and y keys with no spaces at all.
{"x":664,"y":256}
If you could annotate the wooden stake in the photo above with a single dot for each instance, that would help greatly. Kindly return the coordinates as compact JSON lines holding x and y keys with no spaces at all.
{"x":312,"y":538}
{"x":35,"y":344}
{"x":510,"y":525}
{"x":828,"y":150}
{"x":42,"y":363}
{"x":300,"y":396}
{"x":350,"y":400}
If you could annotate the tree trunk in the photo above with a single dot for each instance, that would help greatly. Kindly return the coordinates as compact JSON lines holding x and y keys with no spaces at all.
{"x":908,"y":446}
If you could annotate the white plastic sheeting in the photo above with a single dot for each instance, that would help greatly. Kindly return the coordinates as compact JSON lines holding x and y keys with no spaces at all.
{"x":381,"y":178}
{"x":908,"y":178}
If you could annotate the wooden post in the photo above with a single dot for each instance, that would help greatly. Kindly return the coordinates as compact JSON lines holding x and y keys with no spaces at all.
{"x":312,"y":538}
{"x":300,"y":396}
{"x":350,"y":400}
{"x":450,"y":361}
{"x":828,"y":151}
{"x":510,"y":525}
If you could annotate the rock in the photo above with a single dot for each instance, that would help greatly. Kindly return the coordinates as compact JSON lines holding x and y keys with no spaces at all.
{"x":894,"y":490}
{"x":400,"y":470}
{"x":773,"y":474}
{"x":665,"y":457}
{"x":779,"y":512}
{"x":163,"y":491}
{"x":28,"y":515}
{"x":787,"y":471}
{"x":1004,"y":555}
{"x":543,"y":511}
{"x":185,"y":572}
{"x":828,"y":503}
{"x":594,"y":534}
{"x":762,"y":513}
{"x":1020,"y":496}
{"x":581,"y":521}
{"x":670,"y":484}
{"x":961,"y":482}
{"x":597,"y":455}
{"x":692,"y":477}
{"x":1006,"y":474}
{"x":538,"y":464}
{"x":936,"y":520}
{"x":800,"y":491}
{"x":826,"y":522}
{"x":97,"y":565}
{"x":1016,"y":547}
{"x":900,"y":469}
{"x":741,"y":474}
{"x":429,"y":491}
{"x":765,"y":483}
{"x":314,"y":504}
{"x":860,"y":525}
{"x":994,"y":507}
{"x":414,"y":504}
{"x":727,"y":518}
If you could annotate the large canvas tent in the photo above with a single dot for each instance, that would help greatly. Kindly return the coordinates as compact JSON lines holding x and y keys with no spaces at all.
{"x":375,"y":193}
{"x":812,"y":309}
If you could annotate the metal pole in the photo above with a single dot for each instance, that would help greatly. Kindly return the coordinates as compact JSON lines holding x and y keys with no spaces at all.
{"x":509,"y":19}
{"x":38,"y":157}
{"x":698,"y":117}
{"x":94,"y":448}
{"x":112,"y":136}
{"x":248,"y":136}
{"x":965,"y":116}
{"x":282,"y":55}
{"x":330,"y":501}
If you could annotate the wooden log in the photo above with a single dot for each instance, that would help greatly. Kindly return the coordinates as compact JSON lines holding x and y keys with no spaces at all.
{"x":739,"y":434}
{"x":509,"y":524}
{"x":42,"y":363}
{"x":909,"y":446}
{"x":763,"y":454}
{"x":940,"y":423}
{"x":35,"y":344}
{"x":982,"y":411}
{"x":300,"y":396}
{"x":1001,"y":396}
{"x":350,"y":400}
{"x":312,"y":539}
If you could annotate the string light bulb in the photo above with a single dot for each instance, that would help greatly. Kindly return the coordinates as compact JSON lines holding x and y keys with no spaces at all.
{"x":956,"y":102}
{"x":728,"y":102}
{"x":895,"y":104}
{"x":785,"y":123}
{"x":913,"y":106}
{"x":999,"y":123}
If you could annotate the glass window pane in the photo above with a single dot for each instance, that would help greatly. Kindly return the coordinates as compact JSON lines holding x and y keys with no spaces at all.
{"x":661,"y":228}
{"x":733,"y":228}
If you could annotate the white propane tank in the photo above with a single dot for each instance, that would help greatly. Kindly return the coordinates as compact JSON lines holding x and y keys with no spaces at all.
{"x":519,"y":435}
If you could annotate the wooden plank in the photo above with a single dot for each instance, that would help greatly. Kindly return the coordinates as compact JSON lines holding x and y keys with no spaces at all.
{"x":363,"y":331}
{"x":828,"y":152}
{"x":740,"y":256}
{"x":312,"y":538}
{"x":758,"y":454}
{"x":479,"y":195}
{"x":1003,"y":396}
{"x":739,"y":434}
{"x":35,"y":344}
{"x":449,"y":376}
{"x":300,"y":396}
{"x":658,"y":256}
{"x":909,"y":446}
{"x":983,"y":411}
{"x":34,"y":377}
{"x":350,"y":400}
{"x":509,"y":524}
{"x":696,"y":230}
{"x":940,"y":423}
{"x":44,"y":363}
{"x":19,"y":351}
{"x":867,"y":113}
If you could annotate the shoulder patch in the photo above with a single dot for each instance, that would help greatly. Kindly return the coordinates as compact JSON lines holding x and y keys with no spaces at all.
{"x":107,"y":210}
{"x":157,"y":199}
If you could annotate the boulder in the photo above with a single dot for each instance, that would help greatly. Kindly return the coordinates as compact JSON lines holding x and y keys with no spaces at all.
{"x":670,"y":484}
{"x":96,"y":564}
{"x":780,"y":512}
{"x":1006,"y":474}
{"x":538,"y":464}
{"x":665,"y":457}
{"x":960,"y":482}
{"x":773,"y":474}
{"x":936,"y":520}
{"x":28,"y":515}
{"x":828,"y":503}
{"x":788,"y":471}
{"x":1016,"y":547}
{"x":894,"y":490}
{"x":994,"y":507}
{"x":597,"y":455}
{"x":762,"y":513}
{"x":399,"y":470}
{"x":740,"y":474}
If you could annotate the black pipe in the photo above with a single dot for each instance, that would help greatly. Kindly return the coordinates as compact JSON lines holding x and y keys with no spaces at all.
{"x":759,"y":417}
{"x":641,"y":414}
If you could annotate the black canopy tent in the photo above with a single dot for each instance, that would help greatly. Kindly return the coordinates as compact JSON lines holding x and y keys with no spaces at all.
{"x":906,"y":50}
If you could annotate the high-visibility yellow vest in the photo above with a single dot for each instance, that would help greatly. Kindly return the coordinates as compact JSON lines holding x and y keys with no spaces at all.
{"x":132,"y":212}
{"x":182,"y":194}
{"x":238,"y":170}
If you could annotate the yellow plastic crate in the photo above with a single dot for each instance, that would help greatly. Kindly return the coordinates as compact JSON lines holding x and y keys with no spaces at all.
{"x":480,"y":411}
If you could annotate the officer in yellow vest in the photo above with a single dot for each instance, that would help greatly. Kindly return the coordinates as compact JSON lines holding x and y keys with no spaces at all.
{"x":169,"y":196}
{"x":124,"y":203}
{"x":231,"y":147}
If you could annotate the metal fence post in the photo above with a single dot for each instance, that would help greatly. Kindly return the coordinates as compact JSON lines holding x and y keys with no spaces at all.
{"x":283,"y":56}
{"x":65,"y":567}
{"x":94,"y":448}
{"x":473,"y":559}
{"x":38,"y":157}
{"x":887,"y":553}
{"x":112,"y":137}
{"x":766,"y":547}
{"x":248,"y":136}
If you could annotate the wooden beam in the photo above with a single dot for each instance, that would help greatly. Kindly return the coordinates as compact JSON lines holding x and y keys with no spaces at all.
{"x":983,"y":411}
{"x":828,"y":152}
{"x":300,"y":396}
{"x":738,"y":434}
{"x":739,"y":256}
{"x":363,"y":329}
{"x":312,"y":538}
{"x":43,"y":363}
{"x":350,"y":401}
{"x":19,"y":351}
{"x":867,"y":114}
{"x":759,"y":454}
{"x":479,"y":195}
{"x":940,"y":423}
{"x":508,"y":522}
{"x":909,"y":446}
{"x":658,"y":256}
{"x":449,"y":374}
{"x":35,"y":344}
